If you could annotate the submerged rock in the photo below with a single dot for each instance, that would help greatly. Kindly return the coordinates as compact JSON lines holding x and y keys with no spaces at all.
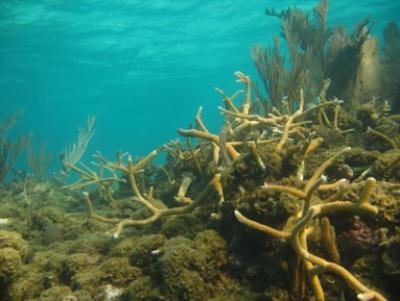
{"x":13,"y":250}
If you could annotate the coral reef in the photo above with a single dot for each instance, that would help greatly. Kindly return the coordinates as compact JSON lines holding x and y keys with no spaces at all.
{"x":317,"y":174}
{"x":174,"y":232}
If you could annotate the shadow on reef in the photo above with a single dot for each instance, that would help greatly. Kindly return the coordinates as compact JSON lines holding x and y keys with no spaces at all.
{"x":296,"y":199}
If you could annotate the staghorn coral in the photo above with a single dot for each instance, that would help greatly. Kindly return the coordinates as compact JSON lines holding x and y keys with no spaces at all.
{"x":158,"y":209}
{"x":300,"y":141}
{"x":300,"y":226}
{"x":205,"y":182}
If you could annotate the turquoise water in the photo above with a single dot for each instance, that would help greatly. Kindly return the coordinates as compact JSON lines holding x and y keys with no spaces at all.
{"x":142,"y":67}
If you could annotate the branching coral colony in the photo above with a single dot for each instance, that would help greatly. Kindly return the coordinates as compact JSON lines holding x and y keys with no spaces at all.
{"x":218,"y":158}
{"x":130,"y":169}
{"x":300,"y":226}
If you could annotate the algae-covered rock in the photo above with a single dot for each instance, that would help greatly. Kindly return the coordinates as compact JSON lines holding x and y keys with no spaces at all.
{"x":10,"y":260}
{"x":190,"y":268}
{"x":386,"y":167}
{"x":118,"y":272}
{"x":58,"y":293}
{"x":124,"y":247}
{"x":49,"y":260}
{"x":80,"y":261}
{"x":141,"y":254}
{"x":43,"y":216}
{"x":13,"y":250}
{"x":181,"y":268}
{"x":47,"y":225}
{"x":88,"y":278}
{"x":213,"y":247}
{"x":28,"y":285}
{"x":391,"y":259}
{"x":276,"y":294}
{"x":80,"y":270}
{"x":142,"y":289}
{"x":64,"y":293}
{"x":186,"y":225}
{"x":91,"y":244}
{"x":15,"y":241}
{"x":391,"y":253}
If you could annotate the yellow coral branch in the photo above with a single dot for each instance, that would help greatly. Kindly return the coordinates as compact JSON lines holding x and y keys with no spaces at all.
{"x":298,"y":233}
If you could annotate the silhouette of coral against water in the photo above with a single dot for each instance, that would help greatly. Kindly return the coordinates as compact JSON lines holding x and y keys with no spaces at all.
{"x":316,"y":52}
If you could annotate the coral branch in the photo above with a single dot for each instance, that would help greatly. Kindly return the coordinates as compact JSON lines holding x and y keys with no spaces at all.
{"x":298,"y":233}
